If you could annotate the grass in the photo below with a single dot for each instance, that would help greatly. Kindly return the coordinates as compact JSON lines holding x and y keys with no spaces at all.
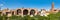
{"x":37,"y":17}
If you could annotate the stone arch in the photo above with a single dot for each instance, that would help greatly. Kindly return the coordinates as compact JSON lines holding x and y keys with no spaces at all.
{"x":7,"y":13}
{"x":18,"y":11}
{"x":32,"y":12}
{"x":25,"y":12}
{"x":12,"y":12}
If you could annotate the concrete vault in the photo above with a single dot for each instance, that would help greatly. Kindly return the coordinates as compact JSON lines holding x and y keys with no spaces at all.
{"x":25,"y":12}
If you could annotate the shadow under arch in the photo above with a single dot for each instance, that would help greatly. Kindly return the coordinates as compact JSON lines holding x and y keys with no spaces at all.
{"x":25,"y":12}
{"x":12,"y":12}
{"x":18,"y":11}
{"x":32,"y":12}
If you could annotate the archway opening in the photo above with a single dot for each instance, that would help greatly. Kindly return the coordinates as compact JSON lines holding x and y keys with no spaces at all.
{"x":7,"y":13}
{"x":12,"y":12}
{"x":18,"y":11}
{"x":25,"y":12}
{"x":32,"y":12}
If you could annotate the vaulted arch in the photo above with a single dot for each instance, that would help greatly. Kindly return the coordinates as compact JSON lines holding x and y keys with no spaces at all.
{"x":32,"y":12}
{"x":12,"y":12}
{"x":25,"y":12}
{"x":18,"y":11}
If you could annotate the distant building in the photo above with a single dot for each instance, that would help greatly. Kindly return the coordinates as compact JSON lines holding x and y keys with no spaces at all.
{"x":52,"y":8}
{"x":58,"y":9}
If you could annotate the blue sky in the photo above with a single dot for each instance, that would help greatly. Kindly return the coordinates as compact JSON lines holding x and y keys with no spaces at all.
{"x":13,"y":4}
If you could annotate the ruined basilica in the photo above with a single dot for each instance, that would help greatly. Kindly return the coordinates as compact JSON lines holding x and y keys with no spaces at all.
{"x":25,"y":11}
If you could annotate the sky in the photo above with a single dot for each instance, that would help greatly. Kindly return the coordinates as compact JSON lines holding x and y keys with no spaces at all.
{"x":39,"y":4}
